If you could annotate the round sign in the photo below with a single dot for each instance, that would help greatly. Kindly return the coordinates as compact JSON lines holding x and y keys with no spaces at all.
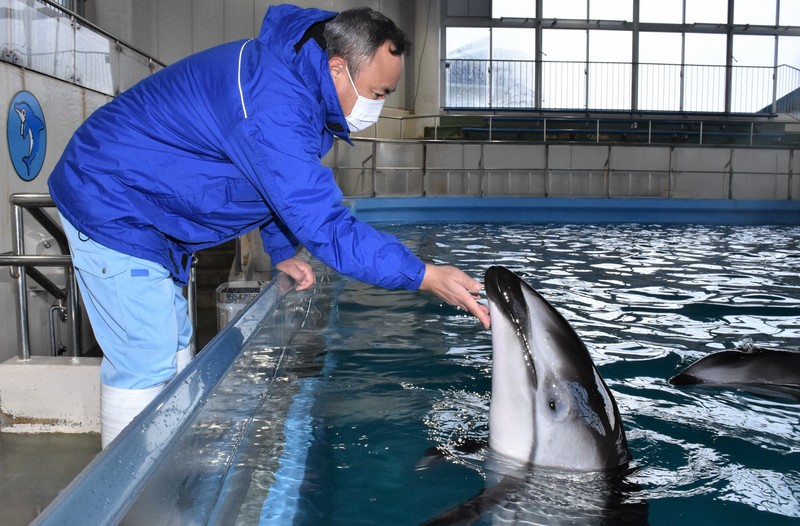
{"x":27,"y":135}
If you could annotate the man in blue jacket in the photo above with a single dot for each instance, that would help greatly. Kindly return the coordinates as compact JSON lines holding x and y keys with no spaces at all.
{"x":219,"y":143}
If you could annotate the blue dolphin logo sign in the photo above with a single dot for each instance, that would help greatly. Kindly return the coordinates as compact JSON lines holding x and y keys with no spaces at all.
{"x":27,"y":135}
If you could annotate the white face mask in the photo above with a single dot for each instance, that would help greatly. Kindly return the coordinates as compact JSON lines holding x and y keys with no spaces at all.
{"x":365,"y":112}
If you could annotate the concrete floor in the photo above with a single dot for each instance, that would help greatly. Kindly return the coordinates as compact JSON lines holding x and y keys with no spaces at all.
{"x":35,"y":467}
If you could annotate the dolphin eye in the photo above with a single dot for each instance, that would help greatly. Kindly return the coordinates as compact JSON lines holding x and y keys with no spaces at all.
{"x":558,"y":403}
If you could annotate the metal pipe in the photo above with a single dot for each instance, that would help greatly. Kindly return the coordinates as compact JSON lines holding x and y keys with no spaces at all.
{"x":51,"y":227}
{"x":21,"y":289}
{"x":46,"y":283}
{"x":237,"y":258}
{"x":24,"y":260}
{"x":23,"y":264}
{"x":191,"y":300}
{"x":31,"y":200}
{"x":54,"y":343}
{"x":74,"y":313}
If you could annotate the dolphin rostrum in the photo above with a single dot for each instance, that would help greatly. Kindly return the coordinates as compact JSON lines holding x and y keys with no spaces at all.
{"x":553,"y":422}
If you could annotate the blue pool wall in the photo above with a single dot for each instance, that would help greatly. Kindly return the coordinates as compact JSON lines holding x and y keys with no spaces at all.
{"x":575,"y":210}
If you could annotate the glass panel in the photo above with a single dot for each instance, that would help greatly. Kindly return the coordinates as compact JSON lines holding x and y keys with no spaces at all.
{"x":564,"y":44}
{"x":609,"y":86}
{"x":44,"y":39}
{"x":17,"y":25}
{"x":663,"y":11}
{"x":660,"y":48}
{"x":706,"y":11}
{"x":705,"y":49}
{"x":92,"y":61}
{"x":44,"y":42}
{"x":789,"y":51}
{"x":790,"y":13}
{"x":467,"y":67}
{"x":756,"y":13}
{"x":560,"y":9}
{"x":130,"y":67}
{"x":704,"y":88}
{"x":513,"y":8}
{"x":659,"y":72}
{"x":514,"y":44}
{"x":513,"y":84}
{"x":467,"y":42}
{"x":564,"y":69}
{"x":751,"y":89}
{"x":611,"y":10}
{"x":610,"y":46}
{"x":659,"y":87}
{"x":788,"y":78}
{"x":609,"y":70}
{"x":513,"y":69}
{"x":752,"y":50}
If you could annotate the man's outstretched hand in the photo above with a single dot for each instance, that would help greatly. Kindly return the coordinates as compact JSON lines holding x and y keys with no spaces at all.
{"x":456,"y":288}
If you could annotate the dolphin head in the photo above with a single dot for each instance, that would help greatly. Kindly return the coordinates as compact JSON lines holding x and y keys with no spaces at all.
{"x":550,"y":407}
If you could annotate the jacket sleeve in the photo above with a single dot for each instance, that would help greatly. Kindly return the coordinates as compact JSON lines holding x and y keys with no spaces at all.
{"x":279,"y":243}
{"x":278,"y":151}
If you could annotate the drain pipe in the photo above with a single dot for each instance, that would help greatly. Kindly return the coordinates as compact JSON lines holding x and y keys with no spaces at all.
{"x":56,"y":348}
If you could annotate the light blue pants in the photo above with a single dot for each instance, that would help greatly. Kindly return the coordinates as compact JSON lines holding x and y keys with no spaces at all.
{"x":138,"y":313}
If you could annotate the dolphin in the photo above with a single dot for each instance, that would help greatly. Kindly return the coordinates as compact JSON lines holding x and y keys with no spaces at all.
{"x":550,"y":407}
{"x":30,"y":129}
{"x":551,"y":417}
{"x":762,"y":370}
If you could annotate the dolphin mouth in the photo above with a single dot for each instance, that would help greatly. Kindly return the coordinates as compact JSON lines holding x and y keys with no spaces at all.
{"x":504,"y":290}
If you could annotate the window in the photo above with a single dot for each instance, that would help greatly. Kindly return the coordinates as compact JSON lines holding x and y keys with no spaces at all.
{"x":761,"y":12}
{"x":611,"y":10}
{"x":661,"y":11}
{"x":790,"y":13}
{"x":513,"y":9}
{"x":583,"y":64}
{"x":563,"y":72}
{"x":467,"y":67}
{"x":576,"y":9}
{"x":609,"y":70}
{"x":513,"y":71}
{"x":751,"y":88}
{"x":706,"y":11}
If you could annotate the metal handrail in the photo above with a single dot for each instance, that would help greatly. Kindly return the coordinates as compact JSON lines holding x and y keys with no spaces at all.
{"x":24,"y":265}
{"x":21,"y":264}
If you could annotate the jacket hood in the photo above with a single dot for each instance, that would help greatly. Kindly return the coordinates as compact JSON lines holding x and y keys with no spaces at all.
{"x":283,"y":28}
{"x":285,"y":25}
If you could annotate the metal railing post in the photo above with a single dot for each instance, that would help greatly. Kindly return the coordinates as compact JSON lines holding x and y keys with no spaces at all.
{"x":18,"y":262}
{"x":191,"y":300}
{"x":21,"y":289}
{"x":73,"y":311}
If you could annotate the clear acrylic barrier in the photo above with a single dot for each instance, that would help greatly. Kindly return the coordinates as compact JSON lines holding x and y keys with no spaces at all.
{"x":173,"y":463}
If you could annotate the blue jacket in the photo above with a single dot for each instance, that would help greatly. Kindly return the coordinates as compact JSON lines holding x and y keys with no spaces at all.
{"x":219,"y":143}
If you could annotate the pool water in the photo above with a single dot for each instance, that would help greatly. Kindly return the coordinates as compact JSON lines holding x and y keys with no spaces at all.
{"x":399,"y":373}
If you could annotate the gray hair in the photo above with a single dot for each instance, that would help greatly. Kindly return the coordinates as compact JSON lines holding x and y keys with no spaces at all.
{"x":356,"y":34}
